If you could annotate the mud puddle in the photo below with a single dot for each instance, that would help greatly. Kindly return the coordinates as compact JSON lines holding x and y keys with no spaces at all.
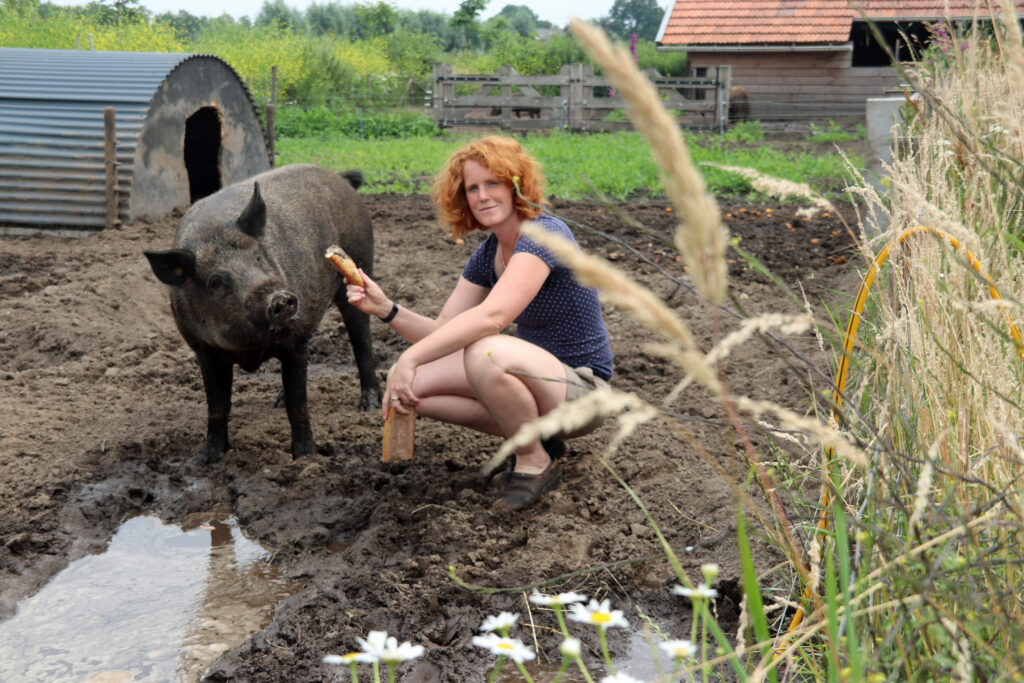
{"x":162,"y":603}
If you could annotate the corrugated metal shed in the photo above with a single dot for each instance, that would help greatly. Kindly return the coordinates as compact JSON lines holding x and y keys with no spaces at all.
{"x":186,"y":126}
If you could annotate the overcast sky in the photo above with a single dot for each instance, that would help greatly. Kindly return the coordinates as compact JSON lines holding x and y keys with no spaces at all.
{"x":555,"y":11}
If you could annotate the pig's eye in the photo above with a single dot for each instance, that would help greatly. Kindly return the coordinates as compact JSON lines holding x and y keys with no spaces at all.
{"x":217,"y":282}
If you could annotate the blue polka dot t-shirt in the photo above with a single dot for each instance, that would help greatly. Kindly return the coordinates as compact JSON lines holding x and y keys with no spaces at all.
{"x":565,"y":317}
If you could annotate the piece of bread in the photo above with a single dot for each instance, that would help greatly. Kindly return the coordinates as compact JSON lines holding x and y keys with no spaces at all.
{"x":345,"y":264}
{"x":399,"y":436}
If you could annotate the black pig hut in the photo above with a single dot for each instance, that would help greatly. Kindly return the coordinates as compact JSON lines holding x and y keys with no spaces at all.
{"x":185,"y":127}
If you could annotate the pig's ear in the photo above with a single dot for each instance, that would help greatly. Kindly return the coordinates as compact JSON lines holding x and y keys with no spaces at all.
{"x":173,"y":267}
{"x":254,"y":217}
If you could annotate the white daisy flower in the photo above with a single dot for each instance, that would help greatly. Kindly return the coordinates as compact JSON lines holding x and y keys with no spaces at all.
{"x":571,"y":647}
{"x":386,"y":648}
{"x":375,"y":643}
{"x":501,"y":623}
{"x":395,"y":653}
{"x":620,"y":678}
{"x":600,"y":614}
{"x":512,"y":648}
{"x":678,"y":649}
{"x":700,"y":592}
{"x":560,"y":599}
{"x":350,"y":657}
{"x":710,"y":571}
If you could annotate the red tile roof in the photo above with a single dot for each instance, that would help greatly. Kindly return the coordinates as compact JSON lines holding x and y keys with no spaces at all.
{"x":757,"y":22}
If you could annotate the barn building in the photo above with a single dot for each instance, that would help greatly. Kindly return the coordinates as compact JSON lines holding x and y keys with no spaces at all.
{"x":185,"y":124}
{"x":807,"y":59}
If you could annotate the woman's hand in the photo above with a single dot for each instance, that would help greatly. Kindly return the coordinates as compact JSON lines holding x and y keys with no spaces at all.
{"x":369,"y":298}
{"x":398,"y":392}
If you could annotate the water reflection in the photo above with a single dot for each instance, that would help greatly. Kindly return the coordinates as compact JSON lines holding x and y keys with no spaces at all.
{"x":162,"y":603}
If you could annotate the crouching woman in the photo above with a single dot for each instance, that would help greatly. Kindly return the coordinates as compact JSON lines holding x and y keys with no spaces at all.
{"x":459,"y":367}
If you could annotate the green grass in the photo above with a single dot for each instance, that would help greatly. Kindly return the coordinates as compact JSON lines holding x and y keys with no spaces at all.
{"x":835,"y":133}
{"x":577,"y":166}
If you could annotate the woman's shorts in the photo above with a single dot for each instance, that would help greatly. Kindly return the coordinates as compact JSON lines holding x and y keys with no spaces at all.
{"x":578,"y":383}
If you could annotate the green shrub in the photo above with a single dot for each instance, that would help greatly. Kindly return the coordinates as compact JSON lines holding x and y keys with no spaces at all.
{"x":297,"y":122}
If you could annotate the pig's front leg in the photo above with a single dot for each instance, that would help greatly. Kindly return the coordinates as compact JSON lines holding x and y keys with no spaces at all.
{"x":217,"y":377}
{"x":358,"y":326}
{"x":293,"y":377}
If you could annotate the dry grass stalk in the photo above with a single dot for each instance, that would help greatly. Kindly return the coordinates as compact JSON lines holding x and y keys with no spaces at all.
{"x":702,"y":240}
{"x":569,"y":417}
{"x":924,"y":485}
{"x":779,"y":187}
{"x":741,"y":629}
{"x":622,"y":292}
{"x":786,"y":324}
{"x":816,"y":431}
{"x":814,"y":555}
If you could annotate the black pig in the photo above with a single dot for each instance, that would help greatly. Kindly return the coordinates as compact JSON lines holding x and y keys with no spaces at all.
{"x":249,"y":281}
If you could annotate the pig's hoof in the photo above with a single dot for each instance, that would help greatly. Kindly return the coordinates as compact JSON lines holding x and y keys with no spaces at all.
{"x":209,"y":456}
{"x":302,"y":451}
{"x":369,"y":400}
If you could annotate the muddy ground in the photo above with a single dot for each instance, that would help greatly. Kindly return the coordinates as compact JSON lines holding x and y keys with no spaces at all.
{"x":102,"y":412}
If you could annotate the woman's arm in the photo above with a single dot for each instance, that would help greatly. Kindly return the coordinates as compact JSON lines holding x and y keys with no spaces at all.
{"x":413,"y":327}
{"x":409,"y":324}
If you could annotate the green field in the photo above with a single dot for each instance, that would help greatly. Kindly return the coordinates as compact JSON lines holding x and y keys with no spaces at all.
{"x":617,"y":165}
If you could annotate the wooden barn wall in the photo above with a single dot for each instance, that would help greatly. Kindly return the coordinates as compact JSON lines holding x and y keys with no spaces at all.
{"x":802,"y":85}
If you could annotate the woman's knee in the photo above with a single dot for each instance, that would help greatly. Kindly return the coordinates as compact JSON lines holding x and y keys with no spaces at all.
{"x":482,"y":359}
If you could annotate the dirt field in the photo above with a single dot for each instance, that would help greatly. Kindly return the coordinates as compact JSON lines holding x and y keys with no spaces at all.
{"x":102,"y":411}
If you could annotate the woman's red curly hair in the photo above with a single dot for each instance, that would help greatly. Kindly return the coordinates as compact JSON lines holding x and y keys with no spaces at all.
{"x":506,"y":159}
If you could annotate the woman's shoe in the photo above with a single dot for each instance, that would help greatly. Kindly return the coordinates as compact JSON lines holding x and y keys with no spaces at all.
{"x":555,"y":449}
{"x":525,"y":489}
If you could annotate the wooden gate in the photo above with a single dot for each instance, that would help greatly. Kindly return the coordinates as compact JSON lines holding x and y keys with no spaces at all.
{"x":574,"y":100}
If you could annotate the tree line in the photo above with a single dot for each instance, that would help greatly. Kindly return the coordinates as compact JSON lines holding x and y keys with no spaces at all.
{"x":355,"y":21}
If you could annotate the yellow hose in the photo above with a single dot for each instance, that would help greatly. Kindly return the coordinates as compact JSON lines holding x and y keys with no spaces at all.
{"x":844,"y":367}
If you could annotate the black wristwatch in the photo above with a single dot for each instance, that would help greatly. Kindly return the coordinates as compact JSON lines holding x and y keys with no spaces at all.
{"x":391,"y":314}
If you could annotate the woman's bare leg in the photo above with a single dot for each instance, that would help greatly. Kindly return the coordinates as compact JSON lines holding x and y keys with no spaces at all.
{"x":494,"y":386}
{"x":516,"y":382}
{"x":445,"y":395}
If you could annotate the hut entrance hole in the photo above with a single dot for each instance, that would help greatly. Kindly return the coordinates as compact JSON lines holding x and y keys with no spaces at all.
{"x":202,"y":153}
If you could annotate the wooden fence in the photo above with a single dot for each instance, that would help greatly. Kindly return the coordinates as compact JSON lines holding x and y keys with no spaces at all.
{"x":584,"y":102}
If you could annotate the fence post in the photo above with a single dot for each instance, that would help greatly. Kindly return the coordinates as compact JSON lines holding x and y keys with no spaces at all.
{"x":587,"y":98}
{"x":442,"y":91}
{"x":576,"y":96}
{"x":110,"y":164}
{"x":563,"y":92}
{"x":271,"y":112}
{"x":724,"y":86}
{"x":505,"y":74}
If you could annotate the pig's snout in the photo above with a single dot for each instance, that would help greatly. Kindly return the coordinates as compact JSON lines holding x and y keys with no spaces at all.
{"x":282,"y":307}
